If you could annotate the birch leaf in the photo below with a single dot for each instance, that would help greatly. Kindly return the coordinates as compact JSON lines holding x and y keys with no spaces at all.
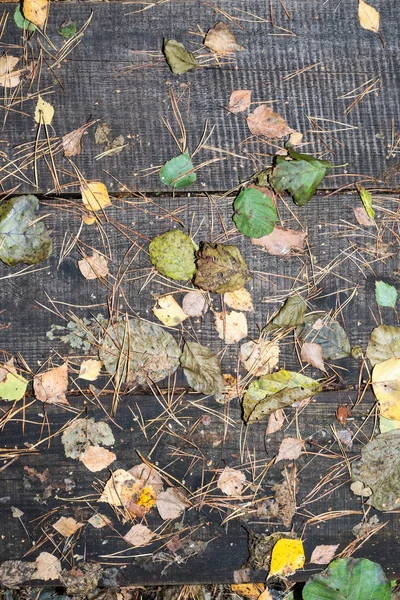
{"x":384,"y":343}
{"x":172,"y":254}
{"x":239,"y":300}
{"x":385,"y":294}
{"x":368,"y":16}
{"x":311,"y":353}
{"x":220,"y":39}
{"x":44,"y":112}
{"x":231,"y":326}
{"x":259,"y":357}
{"x":36,"y":11}
{"x":265,"y":122}
{"x":323,"y":554}
{"x":8,"y":77}
{"x":255,"y":212}
{"x":168,"y":311}
{"x":171,"y":504}
{"x":178,"y":58}
{"x":12,"y":384}
{"x":95,"y":196}
{"x":50,"y":387}
{"x":178,"y":171}
{"x":386,"y":386}
{"x":239,"y":101}
{"x":48,"y":567}
{"x":287,"y":557}
{"x":67,"y":526}
{"x":94,"y":267}
{"x":139,"y":535}
{"x":231,"y":482}
{"x":290,"y":449}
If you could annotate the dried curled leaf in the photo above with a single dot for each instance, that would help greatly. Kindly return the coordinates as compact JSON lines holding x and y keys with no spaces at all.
{"x":265,"y":122}
{"x":172,"y":254}
{"x":202,"y":368}
{"x":178,"y":58}
{"x":384,"y":343}
{"x":220,"y":268}
{"x":137,"y":351}
{"x":220,"y":39}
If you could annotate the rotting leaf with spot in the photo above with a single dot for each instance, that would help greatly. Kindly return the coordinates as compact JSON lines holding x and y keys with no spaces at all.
{"x":220,"y":268}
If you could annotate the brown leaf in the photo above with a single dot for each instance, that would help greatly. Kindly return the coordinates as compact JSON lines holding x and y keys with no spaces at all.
{"x":290,"y":449}
{"x":97,"y":458}
{"x":362,"y":218}
{"x":139,"y":535}
{"x":323,"y":554}
{"x":72,"y":142}
{"x":147,"y":476}
{"x":231,"y":482}
{"x":265,"y":122}
{"x":220,"y":39}
{"x":94,"y":267}
{"x":171,"y":503}
{"x":67,"y":526}
{"x":8,"y":77}
{"x":282,"y":241}
{"x":48,"y":567}
{"x":239,"y":101}
{"x":50,"y":387}
{"x":102,"y":133}
{"x":285,"y":496}
{"x":194,"y":304}
{"x":275,"y":421}
{"x":231,"y":327}
{"x":311,"y":353}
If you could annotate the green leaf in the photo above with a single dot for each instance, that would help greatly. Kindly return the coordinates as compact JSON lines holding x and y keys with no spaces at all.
{"x":385,"y":294}
{"x":12,"y":384}
{"x":67,"y":30}
{"x":299,"y":175}
{"x":20,"y":20}
{"x":291,"y":314}
{"x":321,"y":329}
{"x":178,"y":58}
{"x":276,"y":390}
{"x":138,"y":352}
{"x":255,"y":212}
{"x":384,"y":343}
{"x":220,"y":268}
{"x":176,"y":172}
{"x":23,"y":239}
{"x":349,"y":579}
{"x":202,"y":368}
{"x":366,"y":199}
{"x":172,"y":254}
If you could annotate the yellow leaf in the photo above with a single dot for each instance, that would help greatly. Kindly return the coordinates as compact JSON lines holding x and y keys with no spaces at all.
{"x":265,"y":595}
{"x":90,"y":369}
{"x":169,"y":312}
{"x":147,"y":497}
{"x":369,"y":17}
{"x":95,"y":195}
{"x":239,"y":300}
{"x":386,"y":386}
{"x":44,"y":112}
{"x":88,"y":220}
{"x":36,"y":11}
{"x":287,"y":557}
{"x":248,"y":590}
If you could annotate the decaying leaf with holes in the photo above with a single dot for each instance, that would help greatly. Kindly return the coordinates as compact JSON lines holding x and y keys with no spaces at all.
{"x":220,"y":268}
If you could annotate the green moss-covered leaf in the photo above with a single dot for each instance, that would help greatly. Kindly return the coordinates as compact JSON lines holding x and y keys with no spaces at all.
{"x":349,"y":579}
{"x":379,"y":470}
{"x":220,"y":268}
{"x":83,"y":433}
{"x":12,"y":384}
{"x":384,"y":343}
{"x":202,"y":368}
{"x":321,"y":329}
{"x":255,"y":212}
{"x":276,"y":390}
{"x":176,"y":172}
{"x":23,"y":239}
{"x":20,"y":20}
{"x":291,"y":314}
{"x":67,"y":30}
{"x":139,"y":352}
{"x":299,"y":175}
{"x":172,"y":254}
{"x":178,"y":58}
{"x":385,"y":294}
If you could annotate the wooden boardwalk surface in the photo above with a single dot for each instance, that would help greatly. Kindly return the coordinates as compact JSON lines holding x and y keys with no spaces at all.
{"x":312,"y":60}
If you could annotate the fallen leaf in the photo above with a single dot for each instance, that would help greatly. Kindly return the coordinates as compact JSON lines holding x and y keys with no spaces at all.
{"x":387,"y":424}
{"x":118,"y":488}
{"x":50,"y":387}
{"x":202,"y":369}
{"x":299,"y":175}
{"x":67,"y":526}
{"x":16,"y":512}
{"x":178,"y":171}
{"x":115,"y":146}
{"x":139,"y":535}
{"x":98,"y":521}
{"x":231,"y":326}
{"x":12,"y":384}
{"x":366,"y":199}
{"x":44,"y":112}
{"x":171,"y":503}
{"x":251,"y":591}
{"x":323,"y":554}
{"x":48,"y":567}
{"x":168,"y":311}
{"x":95,"y":196}
{"x":282,"y":241}
{"x":220,"y":39}
{"x":24,"y":237}
{"x":285,"y":496}
{"x":384,"y":343}
{"x":67,"y":30}
{"x":8,"y":77}
{"x":259,"y":357}
{"x":20,"y":20}
{"x":295,"y":138}
{"x":147,"y":476}
{"x":194,"y":304}
{"x":368,"y":16}
{"x":239,"y":300}
{"x":255,"y":212}
{"x":102,"y":133}
{"x":287,"y":557}
{"x":320,"y":328}
{"x":94,"y":267}
{"x":231,"y":482}
{"x":90,"y":369}
{"x":220,"y":268}
{"x":385,"y":294}
{"x":260,"y":549}
{"x":178,"y":58}
{"x":72,"y":142}
{"x":138,"y":351}
{"x":361,"y":216}
{"x":83,"y":433}
{"x":96,"y":458}
{"x":311,"y":353}
{"x":172,"y":254}
{"x":239,"y":101}
{"x":290,"y":449}
{"x":265,"y":122}
{"x":275,"y":421}
{"x":36,"y":11}
{"x":386,"y":386}
{"x":292,"y":313}
{"x":265,"y":595}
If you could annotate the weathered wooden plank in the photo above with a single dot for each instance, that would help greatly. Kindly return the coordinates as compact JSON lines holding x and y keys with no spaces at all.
{"x":110,"y":77}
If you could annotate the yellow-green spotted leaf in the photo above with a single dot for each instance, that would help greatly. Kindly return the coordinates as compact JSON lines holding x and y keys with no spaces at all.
{"x":172,"y":254}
